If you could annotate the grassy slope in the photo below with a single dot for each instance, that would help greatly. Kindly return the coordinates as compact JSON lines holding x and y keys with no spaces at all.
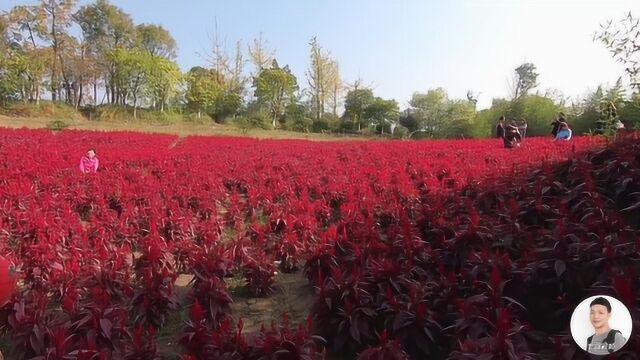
{"x":181,"y":129}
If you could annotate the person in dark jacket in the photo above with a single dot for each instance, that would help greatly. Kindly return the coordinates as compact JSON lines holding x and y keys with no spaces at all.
{"x":512,"y":137}
{"x":500,"y":128}
{"x":557,"y":122}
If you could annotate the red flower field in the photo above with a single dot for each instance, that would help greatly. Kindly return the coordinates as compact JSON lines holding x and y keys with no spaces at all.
{"x":412,"y":250}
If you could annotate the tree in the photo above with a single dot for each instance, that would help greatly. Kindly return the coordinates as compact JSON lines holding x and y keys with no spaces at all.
{"x":430,"y":110}
{"x":539,"y":112}
{"x":163,"y":76}
{"x":297,"y":117}
{"x":622,"y":38}
{"x":203,"y":89}
{"x":616,"y":94}
{"x":226,"y":104}
{"x":556,"y":95}
{"x":608,"y":120}
{"x":21,"y":25}
{"x":8,"y":77}
{"x":409,"y":121}
{"x":4,"y":33}
{"x":459,"y":115}
{"x":355,"y":104}
{"x":335,"y":86}
{"x":472,"y":98}
{"x":319,"y":77}
{"x":229,"y":73}
{"x":274,"y":89}
{"x":55,"y":18}
{"x":380,"y":112}
{"x":131,"y":75}
{"x":72,"y":70}
{"x":630,"y":113}
{"x":526,"y":79}
{"x":156,"y":40}
{"x":259,"y":54}
{"x":106,"y":27}
{"x":587,"y":112}
{"x":30,"y":65}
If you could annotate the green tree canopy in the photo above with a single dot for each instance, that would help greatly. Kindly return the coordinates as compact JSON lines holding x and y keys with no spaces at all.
{"x":274,"y":89}
{"x":356,"y":102}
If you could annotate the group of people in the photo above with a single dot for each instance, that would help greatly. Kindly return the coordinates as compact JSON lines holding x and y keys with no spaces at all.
{"x":514,"y":132}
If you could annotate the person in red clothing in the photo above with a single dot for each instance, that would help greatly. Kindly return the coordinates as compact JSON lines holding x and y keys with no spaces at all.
{"x":89,"y":162}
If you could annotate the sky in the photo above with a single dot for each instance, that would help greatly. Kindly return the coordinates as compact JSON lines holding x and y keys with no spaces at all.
{"x":399,"y":47}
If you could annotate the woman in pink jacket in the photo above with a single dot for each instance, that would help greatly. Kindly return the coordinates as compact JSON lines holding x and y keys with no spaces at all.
{"x":89,"y":162}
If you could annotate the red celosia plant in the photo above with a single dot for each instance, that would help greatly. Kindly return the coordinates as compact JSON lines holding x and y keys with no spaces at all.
{"x":457,"y":249}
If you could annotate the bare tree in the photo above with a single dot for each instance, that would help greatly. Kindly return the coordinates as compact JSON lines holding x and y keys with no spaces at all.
{"x":260,"y":54}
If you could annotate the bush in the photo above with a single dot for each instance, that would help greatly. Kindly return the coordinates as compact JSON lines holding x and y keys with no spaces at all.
{"x":57,"y":125}
{"x":302,"y":124}
{"x":409,"y":121}
{"x":260,"y":120}
{"x":332,"y":119}
{"x":320,"y":126}
{"x":346,"y":127}
{"x":420,"y":135}
{"x":120,"y":113}
{"x":400,"y":132}
{"x":242,"y":123}
{"x":380,"y":127}
{"x":252,"y":121}
{"x":194,"y":119}
{"x":630,"y":113}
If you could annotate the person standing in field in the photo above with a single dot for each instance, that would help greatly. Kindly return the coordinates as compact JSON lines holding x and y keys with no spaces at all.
{"x":522,"y":127}
{"x":500,"y":128}
{"x":556,"y":123}
{"x":512,"y":137}
{"x":564,"y":132}
{"x":89,"y":162}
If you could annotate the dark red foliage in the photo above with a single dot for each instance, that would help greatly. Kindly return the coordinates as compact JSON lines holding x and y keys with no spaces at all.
{"x":259,"y":276}
{"x":455,"y":249}
{"x":387,"y":350}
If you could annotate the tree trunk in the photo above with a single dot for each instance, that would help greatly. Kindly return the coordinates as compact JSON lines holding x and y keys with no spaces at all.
{"x":80,"y":94}
{"x":114,"y":95}
{"x":335,"y":101}
{"x":37,"y":88}
{"x":54,"y":76}
{"x":95,"y":90}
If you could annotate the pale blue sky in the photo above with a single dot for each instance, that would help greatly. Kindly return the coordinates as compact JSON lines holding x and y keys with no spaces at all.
{"x":403,"y":46}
